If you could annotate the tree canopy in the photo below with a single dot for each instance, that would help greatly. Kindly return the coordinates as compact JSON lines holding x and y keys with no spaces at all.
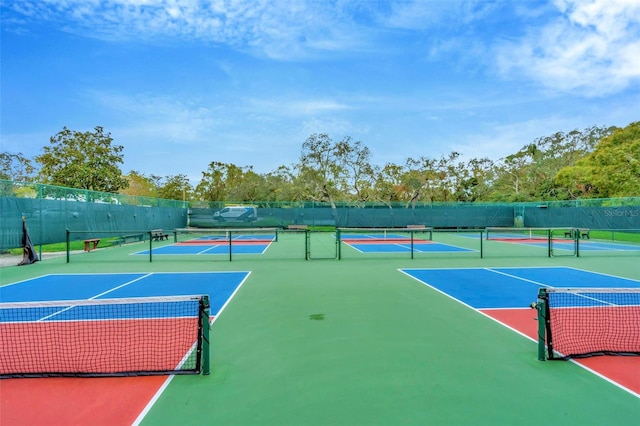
{"x":612,"y":169}
{"x":594,"y":162}
{"x":16,"y":167}
{"x":86,"y":160}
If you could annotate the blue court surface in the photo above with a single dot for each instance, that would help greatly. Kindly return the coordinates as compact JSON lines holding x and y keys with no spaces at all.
{"x":584,"y":245}
{"x":220,"y":286}
{"x":503,"y":288}
{"x":217,"y":245}
{"x":563,"y":244}
{"x":206,"y":249}
{"x":392,"y":243}
{"x":604,"y":246}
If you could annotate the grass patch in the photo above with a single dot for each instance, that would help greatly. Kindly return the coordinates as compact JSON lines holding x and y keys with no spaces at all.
{"x":632,"y":236}
{"x":73,"y":245}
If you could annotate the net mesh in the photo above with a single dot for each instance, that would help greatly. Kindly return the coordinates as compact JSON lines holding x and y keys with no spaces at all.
{"x":609,"y":242}
{"x":588,"y":322}
{"x":383,"y":235}
{"x":517,"y":234}
{"x":382,"y":241}
{"x":109,"y":337}
{"x":194,"y":236}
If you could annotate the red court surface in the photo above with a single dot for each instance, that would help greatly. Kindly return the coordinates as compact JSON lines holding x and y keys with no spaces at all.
{"x":622,"y":370}
{"x":72,"y":401}
{"x":122,"y":340}
{"x":65,"y":354}
{"x":223,"y":242}
{"x":390,"y":240}
{"x":62,"y":401}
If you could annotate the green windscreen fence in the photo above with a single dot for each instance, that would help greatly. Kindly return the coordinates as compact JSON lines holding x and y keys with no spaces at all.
{"x":593,"y":217}
{"x":50,"y":211}
{"x":437,"y":216}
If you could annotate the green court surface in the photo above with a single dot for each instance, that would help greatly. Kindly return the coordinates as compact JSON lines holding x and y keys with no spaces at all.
{"x":357,"y":342}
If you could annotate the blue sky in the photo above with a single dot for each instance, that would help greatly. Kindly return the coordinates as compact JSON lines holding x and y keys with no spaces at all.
{"x":183,"y":83}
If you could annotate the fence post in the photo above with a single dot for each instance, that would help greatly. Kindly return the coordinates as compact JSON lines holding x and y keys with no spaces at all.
{"x":67,"y":238}
{"x":206,"y":363}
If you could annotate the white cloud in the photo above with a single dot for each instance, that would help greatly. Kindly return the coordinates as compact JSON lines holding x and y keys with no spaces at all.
{"x":500,"y":140}
{"x":278,"y":29}
{"x":591,"y":48}
{"x":294,"y":107}
{"x":421,"y":14}
{"x":158,"y":118}
{"x":336,"y":127}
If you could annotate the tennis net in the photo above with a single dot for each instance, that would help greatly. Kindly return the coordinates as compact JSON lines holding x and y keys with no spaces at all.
{"x":583,"y":322}
{"x":550,"y":241}
{"x":225,"y":236}
{"x":382,"y":240}
{"x":518,"y":234}
{"x":383,"y":235}
{"x":105,"y":337}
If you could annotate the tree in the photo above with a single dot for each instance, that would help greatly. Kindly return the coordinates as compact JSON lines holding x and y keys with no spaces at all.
{"x":446,"y":178}
{"x":222,"y":182}
{"x":529,"y":174}
{"x":250,"y":187}
{"x":357,"y":172}
{"x":512,"y":176}
{"x":478,"y":182}
{"x":319,"y":169}
{"x":86,"y":160}
{"x":141,"y":185}
{"x":387,"y":186}
{"x":331,"y":170}
{"x":428,"y":179}
{"x":416,"y":180}
{"x":279,"y":185}
{"x":611,"y":170}
{"x":175,"y":188}
{"x":16,"y":167}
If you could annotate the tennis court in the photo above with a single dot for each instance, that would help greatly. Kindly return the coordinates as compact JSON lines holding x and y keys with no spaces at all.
{"x":88,"y":322}
{"x":562,"y":242}
{"x":218,"y":285}
{"x":374,"y":242}
{"x":569,"y":246}
{"x":504,"y":294}
{"x":217,"y":243}
{"x":388,"y":341}
{"x":258,"y":242}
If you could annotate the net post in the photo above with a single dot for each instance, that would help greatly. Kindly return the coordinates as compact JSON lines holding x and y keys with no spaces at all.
{"x":175,"y":235}
{"x":230,"y":234}
{"x":150,"y":246}
{"x":411,"y":234}
{"x":481,"y":245}
{"x":67,"y":244}
{"x":549,"y":239}
{"x":206,"y":361}
{"x":338,"y":245}
{"x":577,"y":243}
{"x":541,"y":307}
{"x":307,"y":244}
{"x":276,"y":232}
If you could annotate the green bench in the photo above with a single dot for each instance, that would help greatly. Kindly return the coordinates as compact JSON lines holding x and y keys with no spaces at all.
{"x":159,"y":235}
{"x":131,"y":238}
{"x":578,"y":233}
